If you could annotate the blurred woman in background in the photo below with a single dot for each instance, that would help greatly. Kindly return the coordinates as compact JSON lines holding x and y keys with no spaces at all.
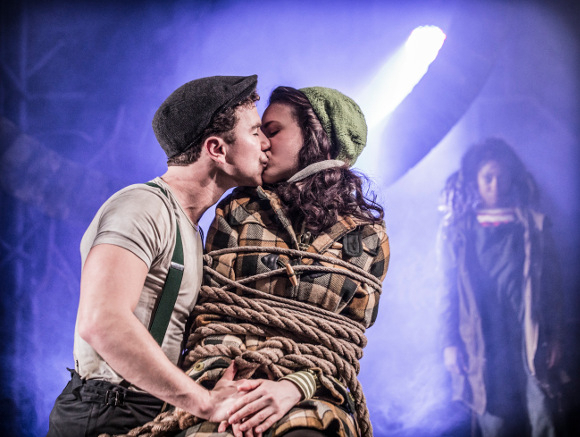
{"x":501,"y":295}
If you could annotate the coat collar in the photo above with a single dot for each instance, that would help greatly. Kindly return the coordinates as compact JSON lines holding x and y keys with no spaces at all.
{"x":323,"y":240}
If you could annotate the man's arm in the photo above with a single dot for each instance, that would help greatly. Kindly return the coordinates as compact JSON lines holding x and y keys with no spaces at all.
{"x":111,"y":283}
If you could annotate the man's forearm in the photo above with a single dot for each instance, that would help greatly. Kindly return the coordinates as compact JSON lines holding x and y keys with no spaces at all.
{"x":126,"y":345}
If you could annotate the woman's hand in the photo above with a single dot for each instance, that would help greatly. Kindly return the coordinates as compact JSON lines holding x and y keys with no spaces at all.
{"x":264,"y":404}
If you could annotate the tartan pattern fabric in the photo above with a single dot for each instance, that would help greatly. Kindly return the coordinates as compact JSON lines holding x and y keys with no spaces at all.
{"x":329,"y":412}
{"x":254,"y":217}
{"x":320,"y":415}
{"x":316,"y":414}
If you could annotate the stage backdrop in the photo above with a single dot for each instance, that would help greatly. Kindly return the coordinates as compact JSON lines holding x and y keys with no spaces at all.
{"x":80,"y":82}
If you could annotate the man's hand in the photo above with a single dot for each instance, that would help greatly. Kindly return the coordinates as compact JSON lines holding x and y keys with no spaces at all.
{"x":453,"y":360}
{"x":264,"y":403}
{"x":225,"y":394}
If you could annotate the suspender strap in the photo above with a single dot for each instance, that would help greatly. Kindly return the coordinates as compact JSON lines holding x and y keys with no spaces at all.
{"x":166,"y":302}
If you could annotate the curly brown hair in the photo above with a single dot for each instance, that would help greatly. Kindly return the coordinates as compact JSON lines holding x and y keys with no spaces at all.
{"x":461,"y":196}
{"x":221,"y":125}
{"x":321,"y":199}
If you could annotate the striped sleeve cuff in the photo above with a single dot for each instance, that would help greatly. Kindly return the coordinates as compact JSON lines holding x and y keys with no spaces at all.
{"x":305,"y":381}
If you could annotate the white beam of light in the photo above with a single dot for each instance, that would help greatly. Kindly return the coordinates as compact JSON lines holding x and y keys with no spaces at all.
{"x":401,"y":73}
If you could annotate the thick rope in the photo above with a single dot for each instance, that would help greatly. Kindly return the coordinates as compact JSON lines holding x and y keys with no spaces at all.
{"x":371,"y":279}
{"x":324,"y":339}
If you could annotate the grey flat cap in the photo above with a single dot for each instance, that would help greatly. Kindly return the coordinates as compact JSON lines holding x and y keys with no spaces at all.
{"x":183,"y":116}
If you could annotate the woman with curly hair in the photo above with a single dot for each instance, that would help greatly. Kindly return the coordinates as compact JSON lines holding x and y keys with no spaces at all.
{"x":501,"y":295}
{"x":294,"y":276}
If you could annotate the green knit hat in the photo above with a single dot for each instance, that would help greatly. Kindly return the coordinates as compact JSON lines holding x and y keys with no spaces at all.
{"x":341,"y":119}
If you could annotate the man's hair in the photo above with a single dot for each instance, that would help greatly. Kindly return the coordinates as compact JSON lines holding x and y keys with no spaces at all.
{"x":322,"y":198}
{"x":461,"y":193}
{"x":222,"y":125}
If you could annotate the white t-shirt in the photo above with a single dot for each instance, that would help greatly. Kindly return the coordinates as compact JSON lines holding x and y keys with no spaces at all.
{"x":141,"y":219}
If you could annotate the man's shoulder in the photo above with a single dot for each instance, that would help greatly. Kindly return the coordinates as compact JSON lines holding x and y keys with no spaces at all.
{"x":137,"y":193}
{"x":137,"y":200}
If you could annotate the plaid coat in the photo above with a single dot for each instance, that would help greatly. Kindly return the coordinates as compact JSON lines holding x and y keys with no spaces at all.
{"x":254,"y":217}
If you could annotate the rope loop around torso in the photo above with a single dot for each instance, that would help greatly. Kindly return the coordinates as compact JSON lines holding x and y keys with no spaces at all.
{"x":296,"y":335}
{"x":351,"y":270}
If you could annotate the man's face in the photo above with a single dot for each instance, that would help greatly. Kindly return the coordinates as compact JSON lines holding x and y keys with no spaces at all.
{"x":247,"y":153}
{"x":494,"y":184}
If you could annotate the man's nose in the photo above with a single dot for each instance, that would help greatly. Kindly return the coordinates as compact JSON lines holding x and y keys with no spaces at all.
{"x":264,"y":141}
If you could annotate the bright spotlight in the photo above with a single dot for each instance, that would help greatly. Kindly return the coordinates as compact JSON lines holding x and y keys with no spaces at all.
{"x":401,"y":73}
{"x":422,"y":48}
{"x":425,"y":42}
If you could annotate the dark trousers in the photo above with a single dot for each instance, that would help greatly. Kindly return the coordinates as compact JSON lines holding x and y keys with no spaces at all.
{"x":87,"y":408}
{"x":536,"y":420}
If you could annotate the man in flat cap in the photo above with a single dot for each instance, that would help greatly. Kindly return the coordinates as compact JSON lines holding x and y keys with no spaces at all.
{"x":142,"y":267}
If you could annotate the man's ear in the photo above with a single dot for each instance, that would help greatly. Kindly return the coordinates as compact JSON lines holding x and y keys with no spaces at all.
{"x":216,"y":149}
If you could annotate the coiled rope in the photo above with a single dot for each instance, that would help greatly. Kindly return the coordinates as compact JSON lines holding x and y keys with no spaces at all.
{"x":300,"y":336}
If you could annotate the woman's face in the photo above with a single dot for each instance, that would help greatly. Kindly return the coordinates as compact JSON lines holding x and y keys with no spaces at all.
{"x":494,"y":184}
{"x":281,"y":128}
